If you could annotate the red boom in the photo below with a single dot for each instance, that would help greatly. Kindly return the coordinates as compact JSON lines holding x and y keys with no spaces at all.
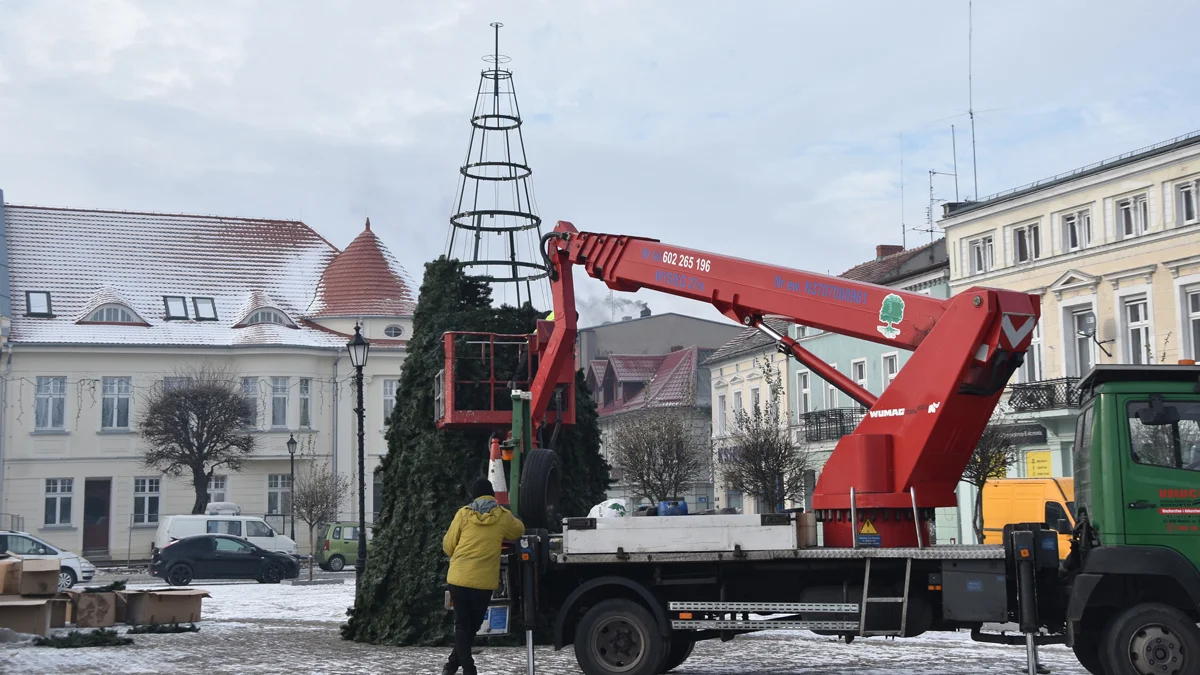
{"x":910,"y":450}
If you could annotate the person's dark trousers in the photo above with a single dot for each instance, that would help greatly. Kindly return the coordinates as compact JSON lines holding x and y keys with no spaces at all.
{"x":470,"y":604}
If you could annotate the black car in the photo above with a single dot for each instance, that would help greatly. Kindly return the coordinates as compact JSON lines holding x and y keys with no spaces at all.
{"x":220,"y":556}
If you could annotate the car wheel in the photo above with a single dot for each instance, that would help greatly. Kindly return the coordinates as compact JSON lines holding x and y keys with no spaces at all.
{"x":1151,"y":638}
{"x":180,"y":575}
{"x":620,"y":637}
{"x":337,"y":563}
{"x":66,"y":578}
{"x":272,"y":573}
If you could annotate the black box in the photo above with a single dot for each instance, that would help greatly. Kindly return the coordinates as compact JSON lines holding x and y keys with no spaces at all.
{"x":974,"y":591}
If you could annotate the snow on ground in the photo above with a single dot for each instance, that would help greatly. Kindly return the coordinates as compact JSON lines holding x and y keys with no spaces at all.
{"x":260,"y":628}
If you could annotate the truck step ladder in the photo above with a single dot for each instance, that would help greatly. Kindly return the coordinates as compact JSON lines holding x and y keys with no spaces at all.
{"x":867,"y":601}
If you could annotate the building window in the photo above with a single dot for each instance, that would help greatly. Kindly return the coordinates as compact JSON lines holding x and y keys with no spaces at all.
{"x":279,"y":401}
{"x":389,"y":399}
{"x":176,"y":306}
{"x":1193,"y":305}
{"x":831,"y":392}
{"x":1186,"y":207}
{"x":37,"y":303}
{"x":754,"y":398}
{"x":394,"y":331}
{"x":1027,"y":243}
{"x":982,"y":257}
{"x":145,"y":500}
{"x":858,"y":372}
{"x":891,"y":366}
{"x":305,"y":402}
{"x":801,"y":331}
{"x":1133,"y":216}
{"x":112,"y":314}
{"x":58,"y":501}
{"x":1031,"y":370}
{"x":51,"y":405}
{"x":267,"y":316}
{"x":173,"y":383}
{"x":737,"y":402}
{"x":802,"y":386}
{"x":279,"y":493}
{"x":1077,"y":230}
{"x":1138,"y":348}
{"x":205,"y":309}
{"x":1083,"y":331}
{"x":114,"y":409}
{"x":250,"y":396}
{"x":216,"y":488}
{"x":721,"y":414}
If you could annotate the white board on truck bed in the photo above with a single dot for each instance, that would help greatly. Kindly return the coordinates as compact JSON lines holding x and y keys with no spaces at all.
{"x":664,"y":534}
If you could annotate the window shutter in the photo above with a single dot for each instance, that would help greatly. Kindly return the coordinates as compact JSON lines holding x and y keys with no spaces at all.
{"x":1151,"y":200}
{"x":1168,"y":204}
{"x":1056,"y":236}
{"x":1110,"y":221}
{"x":964,"y":268}
{"x":1009,"y":243}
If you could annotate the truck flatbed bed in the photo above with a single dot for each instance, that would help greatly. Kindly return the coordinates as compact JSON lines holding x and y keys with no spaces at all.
{"x":814,"y":553}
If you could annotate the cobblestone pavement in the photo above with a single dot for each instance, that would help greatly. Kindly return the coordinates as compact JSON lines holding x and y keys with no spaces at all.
{"x":255,"y":629}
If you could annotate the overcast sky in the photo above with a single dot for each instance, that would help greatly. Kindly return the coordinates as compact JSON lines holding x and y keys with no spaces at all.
{"x":765,"y":130}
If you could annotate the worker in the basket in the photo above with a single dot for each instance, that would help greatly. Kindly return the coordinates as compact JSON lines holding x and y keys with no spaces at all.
{"x":473,"y":544}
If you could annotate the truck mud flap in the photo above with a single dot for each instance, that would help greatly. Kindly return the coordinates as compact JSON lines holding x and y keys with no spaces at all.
{"x":1015,"y":638}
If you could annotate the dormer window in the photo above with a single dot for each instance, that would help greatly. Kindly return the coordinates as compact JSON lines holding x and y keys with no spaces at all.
{"x":176,"y":306}
{"x":205,"y":309}
{"x":37,"y":303}
{"x":267,"y":316}
{"x":112,"y":314}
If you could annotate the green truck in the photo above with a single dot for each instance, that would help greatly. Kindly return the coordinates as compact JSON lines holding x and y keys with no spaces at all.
{"x":1126,"y":598}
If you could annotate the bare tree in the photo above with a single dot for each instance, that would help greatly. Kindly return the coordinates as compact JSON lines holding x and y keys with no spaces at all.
{"x":317,"y":494}
{"x":658,"y":451}
{"x":993,"y":454}
{"x":194,"y":423}
{"x":764,"y":461}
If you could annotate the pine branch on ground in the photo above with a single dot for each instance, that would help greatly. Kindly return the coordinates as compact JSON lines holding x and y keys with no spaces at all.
{"x":76,"y":639}
{"x":115,"y":586}
{"x":163,"y":628}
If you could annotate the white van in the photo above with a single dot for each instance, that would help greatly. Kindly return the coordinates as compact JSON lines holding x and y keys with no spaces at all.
{"x":251,"y":528}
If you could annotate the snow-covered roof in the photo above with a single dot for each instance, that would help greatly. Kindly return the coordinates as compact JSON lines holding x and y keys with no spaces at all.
{"x":87,"y":258}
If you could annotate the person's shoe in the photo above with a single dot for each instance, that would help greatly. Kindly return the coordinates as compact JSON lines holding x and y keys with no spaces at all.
{"x":470,"y":670}
{"x":449,"y":670}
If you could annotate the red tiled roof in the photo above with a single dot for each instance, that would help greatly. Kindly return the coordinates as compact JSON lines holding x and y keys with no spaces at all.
{"x":883,"y":269}
{"x":671,"y":383}
{"x":597,"y":368}
{"x":634,"y":367}
{"x":364,"y":280}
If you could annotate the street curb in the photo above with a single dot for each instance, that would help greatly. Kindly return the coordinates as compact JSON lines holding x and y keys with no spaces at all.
{"x":314,"y":582}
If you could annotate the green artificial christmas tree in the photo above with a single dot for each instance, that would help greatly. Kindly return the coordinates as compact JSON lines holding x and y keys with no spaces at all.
{"x":426,"y":471}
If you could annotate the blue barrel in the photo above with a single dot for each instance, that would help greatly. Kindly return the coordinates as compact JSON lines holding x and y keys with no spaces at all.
{"x":672,"y":508}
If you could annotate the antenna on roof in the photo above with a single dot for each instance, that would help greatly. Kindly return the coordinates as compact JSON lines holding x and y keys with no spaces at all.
{"x":903,"y":227}
{"x":971,"y":94}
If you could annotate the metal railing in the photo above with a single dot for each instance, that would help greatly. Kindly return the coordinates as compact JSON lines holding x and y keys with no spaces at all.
{"x":830,"y":424}
{"x":12,"y":521}
{"x":1053,"y":394}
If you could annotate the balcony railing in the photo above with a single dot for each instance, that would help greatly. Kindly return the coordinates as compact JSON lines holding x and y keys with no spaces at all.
{"x":1062,"y":392}
{"x":830,"y":424}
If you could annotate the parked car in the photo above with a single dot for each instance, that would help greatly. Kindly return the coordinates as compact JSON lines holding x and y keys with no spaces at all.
{"x":220,"y":556}
{"x":73,"y":567}
{"x":337,"y":545}
{"x":251,"y":528}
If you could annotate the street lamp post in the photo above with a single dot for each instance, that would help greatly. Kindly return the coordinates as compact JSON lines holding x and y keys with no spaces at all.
{"x":291,"y":446}
{"x":358,"y":349}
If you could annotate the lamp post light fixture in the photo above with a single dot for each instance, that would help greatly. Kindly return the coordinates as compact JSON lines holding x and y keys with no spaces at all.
{"x":358,"y":349}
{"x":291,"y":446}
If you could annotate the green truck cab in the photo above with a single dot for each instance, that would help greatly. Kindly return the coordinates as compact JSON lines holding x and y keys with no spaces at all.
{"x":1134,"y":570}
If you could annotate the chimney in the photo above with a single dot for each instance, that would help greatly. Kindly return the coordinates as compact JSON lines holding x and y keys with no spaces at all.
{"x":884,"y":250}
{"x":645,"y":312}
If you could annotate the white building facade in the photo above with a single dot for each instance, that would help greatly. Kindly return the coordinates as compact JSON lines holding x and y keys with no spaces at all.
{"x":108,"y":307}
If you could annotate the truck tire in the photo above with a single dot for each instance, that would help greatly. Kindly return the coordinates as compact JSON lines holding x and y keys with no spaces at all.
{"x":540,"y":483}
{"x":1087,"y":650}
{"x":619,"y":637}
{"x":1151,"y":638}
{"x":681,"y":649}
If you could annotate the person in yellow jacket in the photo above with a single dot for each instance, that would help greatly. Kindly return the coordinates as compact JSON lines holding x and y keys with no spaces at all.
{"x":473,"y":544}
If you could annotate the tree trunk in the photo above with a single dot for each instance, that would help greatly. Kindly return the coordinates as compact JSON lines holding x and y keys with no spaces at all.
{"x":977,"y":516}
{"x":200,"y":483}
{"x":312,"y":551}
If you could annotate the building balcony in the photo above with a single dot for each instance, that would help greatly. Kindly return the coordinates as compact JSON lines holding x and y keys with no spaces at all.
{"x":830,"y":424}
{"x":1056,"y":394}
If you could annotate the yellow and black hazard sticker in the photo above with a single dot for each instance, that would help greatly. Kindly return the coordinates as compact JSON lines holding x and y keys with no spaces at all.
{"x":868,"y":536}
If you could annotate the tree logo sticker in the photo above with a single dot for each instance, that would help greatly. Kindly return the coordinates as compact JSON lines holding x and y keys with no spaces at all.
{"x":891,"y":312}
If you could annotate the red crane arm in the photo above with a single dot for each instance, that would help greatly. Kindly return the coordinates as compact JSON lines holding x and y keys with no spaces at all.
{"x":909,"y":452}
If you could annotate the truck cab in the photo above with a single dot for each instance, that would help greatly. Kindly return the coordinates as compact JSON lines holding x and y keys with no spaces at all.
{"x":1135,"y":585}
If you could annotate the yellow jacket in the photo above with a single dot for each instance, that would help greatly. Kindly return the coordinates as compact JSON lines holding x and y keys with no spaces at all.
{"x":473,"y":543}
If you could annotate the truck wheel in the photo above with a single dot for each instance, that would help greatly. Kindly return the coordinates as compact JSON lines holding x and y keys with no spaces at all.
{"x":540,"y":482}
{"x":1087,"y":650}
{"x":619,"y":637}
{"x":1151,"y":638}
{"x":681,"y":649}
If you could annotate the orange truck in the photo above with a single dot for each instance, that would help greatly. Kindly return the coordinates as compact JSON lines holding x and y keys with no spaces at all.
{"x":1050,"y":501}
